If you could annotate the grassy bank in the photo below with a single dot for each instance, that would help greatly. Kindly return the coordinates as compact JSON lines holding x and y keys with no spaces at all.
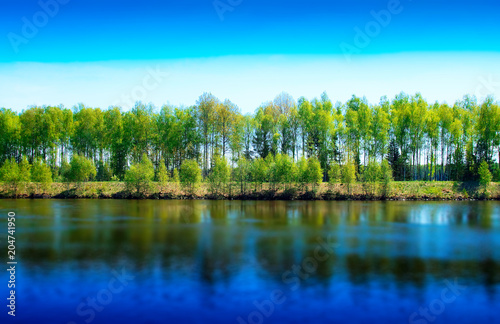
{"x":414,"y":190}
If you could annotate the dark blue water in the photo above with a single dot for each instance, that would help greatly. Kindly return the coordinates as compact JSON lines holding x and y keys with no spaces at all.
{"x":110,"y":261}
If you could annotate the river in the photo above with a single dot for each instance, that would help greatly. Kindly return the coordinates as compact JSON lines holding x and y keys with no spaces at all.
{"x":158,"y":261}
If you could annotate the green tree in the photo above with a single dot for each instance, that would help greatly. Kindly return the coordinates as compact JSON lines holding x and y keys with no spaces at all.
{"x":104,"y":172}
{"x":272,"y":174}
{"x":41,"y":174}
{"x":314,"y":171}
{"x":432,"y":133}
{"x":487,"y":129}
{"x":162,"y":174}
{"x":10,"y":135}
{"x":420,"y":140}
{"x":334,"y":174}
{"x":140,"y":127}
{"x":225,"y":121}
{"x":283,"y":169}
{"x":258,"y":172}
{"x":302,"y":173}
{"x":379,"y":130}
{"x":400,"y":121}
{"x":385,"y":177}
{"x":118,"y":141}
{"x":242,"y":173}
{"x":190,"y":175}
{"x":24,"y":174}
{"x":89,"y":134}
{"x":219,"y":175}
{"x":140,"y":176}
{"x":248,"y":133}
{"x":264,"y":131}
{"x":206,"y":114}
{"x":418,"y":112}
{"x":348,"y":175}
{"x":176,"y":180}
{"x":485,"y":176}
{"x":9,"y":172}
{"x":370,"y":176}
{"x":17,"y":176}
{"x":185,"y":137}
{"x":80,"y":169}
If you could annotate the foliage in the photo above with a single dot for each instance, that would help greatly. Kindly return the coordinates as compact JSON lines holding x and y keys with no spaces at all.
{"x":465,"y":194}
{"x":419,"y":139}
{"x":485,"y":176}
{"x":302,"y":173}
{"x":385,"y":177}
{"x":282,"y":170}
{"x":17,"y":176}
{"x":41,"y":174}
{"x":104,"y":172}
{"x":334,"y":174}
{"x":190,"y":175}
{"x":140,"y":176}
{"x":242,"y":173}
{"x":258,"y":171}
{"x":370,"y":177}
{"x":219,"y":175}
{"x":348,"y":175}
{"x":314,"y":172}
{"x":64,"y":171}
{"x":80,"y":169}
{"x":162,"y":174}
{"x":175,"y":177}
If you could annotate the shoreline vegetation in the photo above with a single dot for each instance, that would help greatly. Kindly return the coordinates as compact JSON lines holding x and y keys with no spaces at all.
{"x":400,"y":190}
{"x":404,"y":148}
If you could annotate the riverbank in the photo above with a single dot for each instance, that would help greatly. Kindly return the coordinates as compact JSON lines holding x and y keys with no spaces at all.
{"x":408,"y":190}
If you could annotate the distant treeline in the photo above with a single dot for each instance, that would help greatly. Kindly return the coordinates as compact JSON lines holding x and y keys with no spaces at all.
{"x":420,"y":140}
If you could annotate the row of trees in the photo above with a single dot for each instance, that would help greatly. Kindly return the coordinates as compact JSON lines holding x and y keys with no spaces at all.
{"x":279,"y":172}
{"x":420,"y":140}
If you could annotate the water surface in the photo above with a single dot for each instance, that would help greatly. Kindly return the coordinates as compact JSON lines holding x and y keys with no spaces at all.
{"x":118,"y":261}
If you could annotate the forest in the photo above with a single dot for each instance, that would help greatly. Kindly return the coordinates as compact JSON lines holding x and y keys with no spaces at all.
{"x":417,"y":139}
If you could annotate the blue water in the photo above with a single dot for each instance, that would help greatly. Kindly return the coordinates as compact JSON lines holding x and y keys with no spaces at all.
{"x":113,"y":261}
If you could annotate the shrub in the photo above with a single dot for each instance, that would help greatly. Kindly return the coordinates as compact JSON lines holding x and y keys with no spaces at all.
{"x":385,"y":177}
{"x":219,"y":175}
{"x":80,"y":169}
{"x":271,"y":171}
{"x":190,"y":175}
{"x":242,"y":173}
{"x":302,"y":176}
{"x":104,"y":172}
{"x":283,"y":170}
{"x":485,"y":176}
{"x":9,"y":172}
{"x":17,"y":176}
{"x":63,"y":171}
{"x":334,"y":174}
{"x":258,"y":171}
{"x":139,"y":177}
{"x":314,"y":172}
{"x":175,"y":177}
{"x":41,"y":174}
{"x":348,"y":175}
{"x":162,"y":175}
{"x":371,"y":175}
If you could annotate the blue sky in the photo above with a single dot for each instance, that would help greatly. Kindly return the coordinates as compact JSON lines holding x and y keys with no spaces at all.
{"x":95,"y":51}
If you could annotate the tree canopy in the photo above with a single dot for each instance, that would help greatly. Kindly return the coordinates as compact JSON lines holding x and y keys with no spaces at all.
{"x":421,"y":140}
